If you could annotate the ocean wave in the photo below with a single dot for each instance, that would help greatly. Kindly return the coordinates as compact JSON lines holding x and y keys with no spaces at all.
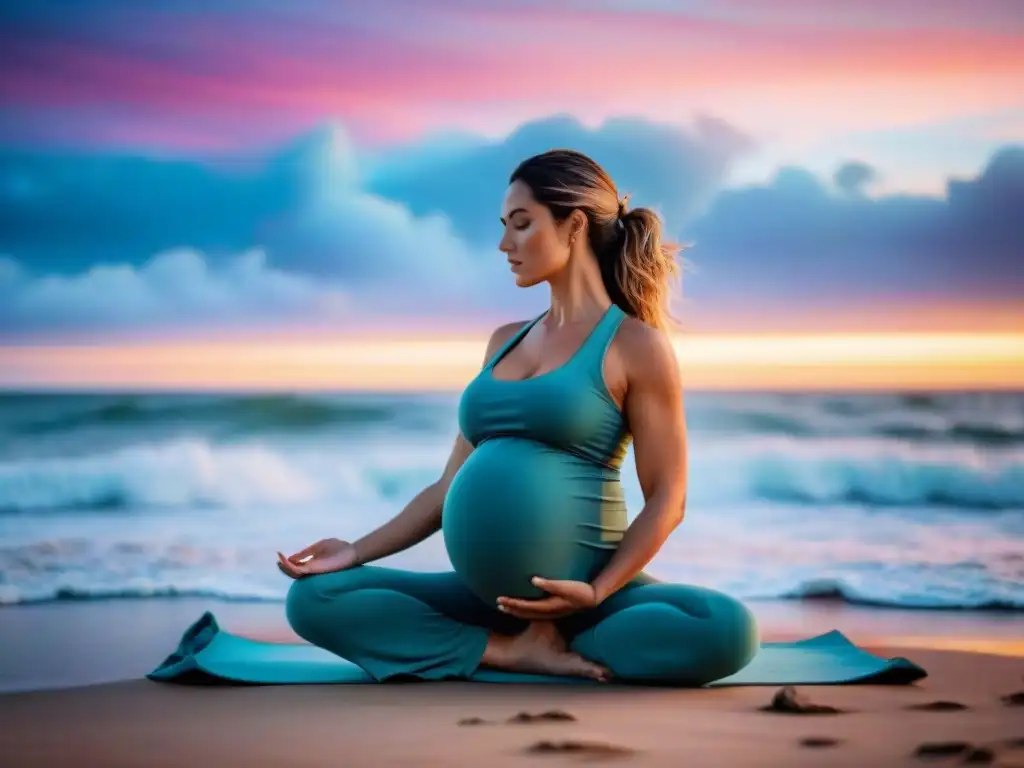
{"x":824,"y":590}
{"x":995,"y":435}
{"x":183,"y":473}
{"x":233,"y":414}
{"x":899,"y":562}
{"x":12,"y":596}
{"x":878,"y":474}
{"x":835,"y":590}
{"x":200,"y":473}
{"x":984,"y":421}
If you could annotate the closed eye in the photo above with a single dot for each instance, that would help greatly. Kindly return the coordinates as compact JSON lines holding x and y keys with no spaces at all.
{"x":512,"y":215}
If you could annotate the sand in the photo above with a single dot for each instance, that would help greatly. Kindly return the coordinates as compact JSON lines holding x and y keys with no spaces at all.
{"x":138,"y":722}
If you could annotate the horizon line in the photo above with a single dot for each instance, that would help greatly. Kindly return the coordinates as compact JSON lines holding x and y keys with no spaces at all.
{"x":719,"y":362}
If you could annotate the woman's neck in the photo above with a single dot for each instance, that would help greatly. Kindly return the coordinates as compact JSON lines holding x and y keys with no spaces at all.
{"x":578,"y":294}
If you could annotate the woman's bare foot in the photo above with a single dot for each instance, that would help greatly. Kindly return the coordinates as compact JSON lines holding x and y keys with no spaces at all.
{"x":539,"y":649}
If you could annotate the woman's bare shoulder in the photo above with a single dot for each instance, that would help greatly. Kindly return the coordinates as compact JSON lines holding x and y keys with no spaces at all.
{"x":647,"y":353}
{"x":500,"y":336}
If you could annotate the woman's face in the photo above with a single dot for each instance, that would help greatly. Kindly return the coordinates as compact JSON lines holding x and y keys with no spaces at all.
{"x":535,"y":244}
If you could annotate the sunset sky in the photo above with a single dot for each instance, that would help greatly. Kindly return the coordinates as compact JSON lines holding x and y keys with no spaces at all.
{"x":300,"y":178}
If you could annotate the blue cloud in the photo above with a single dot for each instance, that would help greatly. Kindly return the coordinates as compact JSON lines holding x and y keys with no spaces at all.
{"x":103,"y":241}
{"x":66,"y":212}
{"x":174,"y":289}
{"x":665,"y":167}
{"x":795,"y":238}
{"x":308,"y":203}
{"x":90,"y":237}
{"x":854,"y":176}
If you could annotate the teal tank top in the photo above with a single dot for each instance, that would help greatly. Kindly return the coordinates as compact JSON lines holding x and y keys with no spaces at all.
{"x":540,"y":494}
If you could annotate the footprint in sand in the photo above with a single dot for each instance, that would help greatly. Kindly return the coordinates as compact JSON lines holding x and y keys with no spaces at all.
{"x":819,"y":742}
{"x":979,"y":756}
{"x":1014,"y":699}
{"x":968,"y":753}
{"x":473,"y":721}
{"x":580,"y":747}
{"x":939,"y":706}
{"x":550,"y":716}
{"x":787,"y":700}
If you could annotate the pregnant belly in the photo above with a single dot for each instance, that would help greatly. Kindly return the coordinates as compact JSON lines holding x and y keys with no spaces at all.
{"x":518,"y":509}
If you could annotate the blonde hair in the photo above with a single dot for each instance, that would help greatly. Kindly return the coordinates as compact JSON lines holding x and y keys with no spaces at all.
{"x":637,"y":266}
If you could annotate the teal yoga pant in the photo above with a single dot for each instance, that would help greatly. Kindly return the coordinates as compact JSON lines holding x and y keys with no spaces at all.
{"x":431,"y":626}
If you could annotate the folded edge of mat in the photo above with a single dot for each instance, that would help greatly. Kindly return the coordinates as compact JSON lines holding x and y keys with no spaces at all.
{"x":207,"y":654}
{"x":844,"y":662}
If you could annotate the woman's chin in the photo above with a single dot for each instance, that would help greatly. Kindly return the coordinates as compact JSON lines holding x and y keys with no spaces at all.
{"x":525,"y":281}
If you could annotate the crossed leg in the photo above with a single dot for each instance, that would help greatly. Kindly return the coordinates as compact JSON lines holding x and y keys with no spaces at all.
{"x":396,"y":623}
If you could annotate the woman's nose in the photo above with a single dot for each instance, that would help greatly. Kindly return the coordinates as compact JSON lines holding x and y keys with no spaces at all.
{"x":505,"y":245}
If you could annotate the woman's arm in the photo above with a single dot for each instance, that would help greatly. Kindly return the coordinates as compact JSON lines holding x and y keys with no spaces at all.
{"x":654,"y":409}
{"x":421,"y":517}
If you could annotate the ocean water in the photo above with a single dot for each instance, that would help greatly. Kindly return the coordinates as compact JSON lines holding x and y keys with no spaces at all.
{"x":888,"y":500}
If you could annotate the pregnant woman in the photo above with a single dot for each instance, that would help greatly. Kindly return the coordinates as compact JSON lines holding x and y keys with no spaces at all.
{"x":548,"y":573}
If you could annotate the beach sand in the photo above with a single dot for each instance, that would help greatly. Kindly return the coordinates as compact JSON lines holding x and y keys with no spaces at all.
{"x":77,"y":720}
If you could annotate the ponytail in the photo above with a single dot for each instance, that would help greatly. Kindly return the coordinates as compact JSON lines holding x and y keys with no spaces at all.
{"x":638,"y":268}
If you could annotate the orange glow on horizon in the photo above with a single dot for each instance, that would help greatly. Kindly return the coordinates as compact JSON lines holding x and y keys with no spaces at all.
{"x":834,"y":361}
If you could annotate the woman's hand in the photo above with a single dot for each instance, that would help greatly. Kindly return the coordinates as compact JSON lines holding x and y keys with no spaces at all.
{"x":566,"y":597}
{"x":325,"y":556}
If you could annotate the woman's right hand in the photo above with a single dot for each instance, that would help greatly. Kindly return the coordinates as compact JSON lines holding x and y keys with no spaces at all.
{"x":325,"y":556}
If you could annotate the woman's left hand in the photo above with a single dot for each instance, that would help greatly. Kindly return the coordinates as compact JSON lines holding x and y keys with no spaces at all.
{"x":567,"y":597}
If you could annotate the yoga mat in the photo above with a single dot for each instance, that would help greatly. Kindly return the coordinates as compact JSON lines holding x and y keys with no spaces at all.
{"x":209,"y":654}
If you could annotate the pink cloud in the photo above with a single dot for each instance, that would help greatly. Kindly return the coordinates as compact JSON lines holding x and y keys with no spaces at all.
{"x":906,"y":14}
{"x":448,"y":64}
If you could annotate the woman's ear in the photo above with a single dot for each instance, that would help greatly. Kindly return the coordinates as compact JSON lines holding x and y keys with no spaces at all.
{"x":578,"y":225}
